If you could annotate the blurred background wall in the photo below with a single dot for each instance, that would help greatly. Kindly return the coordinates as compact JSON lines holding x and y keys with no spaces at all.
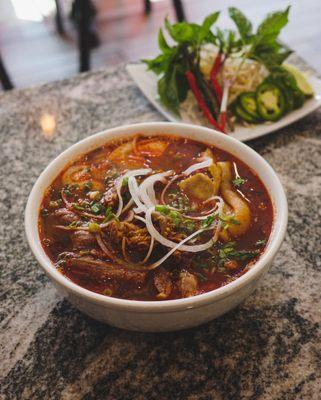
{"x":34,"y":52}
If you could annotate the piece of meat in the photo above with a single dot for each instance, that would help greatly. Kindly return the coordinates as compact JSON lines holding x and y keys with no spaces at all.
{"x":167,"y":229}
{"x":188,"y":284}
{"x":82,"y":239}
{"x":136,"y":237}
{"x":65,"y":216}
{"x":86,"y":267}
{"x":110,"y":198}
{"x":163,"y":283}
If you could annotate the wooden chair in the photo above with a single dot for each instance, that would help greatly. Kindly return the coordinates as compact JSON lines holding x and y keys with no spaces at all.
{"x":83,"y":13}
{"x":4,"y":77}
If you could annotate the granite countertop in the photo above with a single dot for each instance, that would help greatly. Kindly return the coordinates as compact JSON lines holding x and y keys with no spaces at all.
{"x":267,"y":348}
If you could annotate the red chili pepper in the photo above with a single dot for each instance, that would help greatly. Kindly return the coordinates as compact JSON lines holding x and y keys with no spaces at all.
{"x":201,"y":102}
{"x":222,"y":120}
{"x":214,"y":71}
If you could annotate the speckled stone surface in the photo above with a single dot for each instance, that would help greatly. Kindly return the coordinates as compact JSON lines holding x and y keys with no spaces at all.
{"x":268,"y":348}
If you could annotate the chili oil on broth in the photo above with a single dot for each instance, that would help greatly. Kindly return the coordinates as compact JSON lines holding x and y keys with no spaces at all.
{"x":83,"y":197}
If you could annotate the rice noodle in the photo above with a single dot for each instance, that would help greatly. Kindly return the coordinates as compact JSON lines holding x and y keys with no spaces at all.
{"x":146,"y":189}
{"x":168,"y":243}
{"x":112,"y":255}
{"x":179,"y":245}
{"x":204,"y":164}
{"x":135,"y":172}
{"x":134,"y":191}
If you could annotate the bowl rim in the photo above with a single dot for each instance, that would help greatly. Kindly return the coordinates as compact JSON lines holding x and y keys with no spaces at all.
{"x":275,"y":240}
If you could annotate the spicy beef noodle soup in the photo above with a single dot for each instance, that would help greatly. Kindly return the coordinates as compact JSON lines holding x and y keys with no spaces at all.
{"x":155,"y":218}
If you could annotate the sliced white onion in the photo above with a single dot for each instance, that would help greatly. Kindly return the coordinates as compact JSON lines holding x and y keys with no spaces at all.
{"x":219,"y":212}
{"x":146,"y":189}
{"x":180,"y":245}
{"x":134,"y":191}
{"x":128,"y":174}
{"x":168,"y":243}
{"x":204,"y":164}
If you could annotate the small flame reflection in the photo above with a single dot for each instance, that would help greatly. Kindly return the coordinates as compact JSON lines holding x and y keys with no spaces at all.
{"x":48,"y":125}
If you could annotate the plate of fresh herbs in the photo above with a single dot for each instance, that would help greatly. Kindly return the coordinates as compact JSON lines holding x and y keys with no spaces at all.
{"x":235,"y":81}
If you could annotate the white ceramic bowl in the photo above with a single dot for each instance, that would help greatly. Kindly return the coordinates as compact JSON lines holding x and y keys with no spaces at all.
{"x":170,"y":314}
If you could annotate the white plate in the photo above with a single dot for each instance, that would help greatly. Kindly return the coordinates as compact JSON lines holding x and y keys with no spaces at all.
{"x":147,"y":82}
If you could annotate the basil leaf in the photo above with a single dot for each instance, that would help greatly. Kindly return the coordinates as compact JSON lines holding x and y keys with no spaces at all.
{"x":270,"y":28}
{"x":208,"y":22}
{"x":183,"y":32}
{"x":243,"y":25}
{"x":162,"y":42}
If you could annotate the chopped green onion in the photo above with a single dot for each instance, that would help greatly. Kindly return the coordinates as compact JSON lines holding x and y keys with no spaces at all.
{"x":97,"y":208}
{"x":162,"y":209}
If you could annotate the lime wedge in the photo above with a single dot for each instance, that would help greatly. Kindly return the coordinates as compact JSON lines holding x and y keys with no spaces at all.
{"x":301,"y":79}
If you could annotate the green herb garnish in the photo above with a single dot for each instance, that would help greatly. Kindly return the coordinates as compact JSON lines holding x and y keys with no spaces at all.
{"x":97,"y":208}
{"x":109,"y":215}
{"x":163,"y":209}
{"x":125,"y":182}
{"x":228,"y":252}
{"x":260,"y":243}
{"x":237,"y":182}
{"x":78,"y":207}
{"x":208,"y":221}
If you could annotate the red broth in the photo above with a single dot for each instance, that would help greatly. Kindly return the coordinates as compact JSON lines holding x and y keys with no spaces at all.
{"x":102,"y":253}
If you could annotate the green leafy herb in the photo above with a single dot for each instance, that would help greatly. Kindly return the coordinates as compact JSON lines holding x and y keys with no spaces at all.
{"x":243,"y":25}
{"x":260,"y":243}
{"x":228,"y":252}
{"x":208,"y":221}
{"x":67,"y":192}
{"x":97,"y":208}
{"x":74,"y":224}
{"x":125,"y":182}
{"x":109,"y":215}
{"x":237,"y":182}
{"x":78,"y":207}
{"x":162,"y":209}
{"x":265,"y":47}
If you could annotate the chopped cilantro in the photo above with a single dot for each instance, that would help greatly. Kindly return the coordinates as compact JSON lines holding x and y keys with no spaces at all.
{"x":74,"y":224}
{"x":237,"y":182}
{"x":125,"y":182}
{"x":78,"y":207}
{"x":109,"y":215}
{"x":67,"y":192}
{"x":260,"y":243}
{"x":208,"y":221}
{"x":228,"y":252}
{"x":162,"y":209}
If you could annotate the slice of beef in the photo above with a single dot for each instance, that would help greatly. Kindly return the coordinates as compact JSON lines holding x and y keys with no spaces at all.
{"x":65,"y":216}
{"x":82,"y":239}
{"x":99,"y":270}
{"x":163,"y":283}
{"x":188,"y":284}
